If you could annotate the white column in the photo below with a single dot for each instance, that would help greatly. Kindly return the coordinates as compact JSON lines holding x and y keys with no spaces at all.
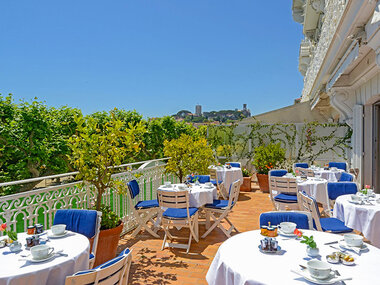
{"x":357,"y":140}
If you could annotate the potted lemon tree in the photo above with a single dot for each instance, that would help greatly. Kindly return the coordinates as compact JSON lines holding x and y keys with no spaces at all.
{"x":96,"y":149}
{"x":267,"y":157}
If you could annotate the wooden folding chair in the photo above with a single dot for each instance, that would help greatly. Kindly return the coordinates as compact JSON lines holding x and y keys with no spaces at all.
{"x":178,"y":213}
{"x":219,"y":210}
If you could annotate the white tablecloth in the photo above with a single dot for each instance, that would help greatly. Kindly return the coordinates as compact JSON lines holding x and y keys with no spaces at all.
{"x":199,"y":194}
{"x":14,"y":271}
{"x":239,"y":261}
{"x":316,"y":188}
{"x":329,"y":175}
{"x":364,"y":218}
{"x":229,"y":176}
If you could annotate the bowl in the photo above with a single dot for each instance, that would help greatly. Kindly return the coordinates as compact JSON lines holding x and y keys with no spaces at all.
{"x":288,"y":227}
{"x":58,"y":229}
{"x":318,"y":269}
{"x":353,"y":240}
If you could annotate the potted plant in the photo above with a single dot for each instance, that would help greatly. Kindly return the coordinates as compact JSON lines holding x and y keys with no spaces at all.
{"x":311,"y":249}
{"x":267,"y":157}
{"x":188,"y":155}
{"x":246,"y":186}
{"x":96,"y":149}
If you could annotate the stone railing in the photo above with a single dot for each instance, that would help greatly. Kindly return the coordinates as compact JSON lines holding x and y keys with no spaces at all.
{"x":39,"y":206}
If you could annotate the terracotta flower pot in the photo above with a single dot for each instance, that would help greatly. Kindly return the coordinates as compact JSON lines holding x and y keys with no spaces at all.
{"x":263,"y":182}
{"x":107,"y":244}
{"x":246,"y":186}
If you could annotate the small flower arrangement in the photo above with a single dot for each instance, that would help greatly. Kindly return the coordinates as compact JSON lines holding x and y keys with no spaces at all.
{"x":298,"y":233}
{"x":365,"y":190}
{"x":11,"y":234}
{"x":246,"y":172}
{"x":309,"y":241}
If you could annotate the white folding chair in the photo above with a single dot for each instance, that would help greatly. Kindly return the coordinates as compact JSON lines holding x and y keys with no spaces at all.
{"x":96,"y":238}
{"x":283,"y":192}
{"x":114,"y":271}
{"x":219,"y":210}
{"x":218,"y":183}
{"x":143,"y":211}
{"x":304,"y":172}
{"x":178,"y":213}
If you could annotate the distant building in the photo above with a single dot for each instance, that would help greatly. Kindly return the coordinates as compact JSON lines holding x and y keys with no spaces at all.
{"x":246,"y":112}
{"x":198,"y":110}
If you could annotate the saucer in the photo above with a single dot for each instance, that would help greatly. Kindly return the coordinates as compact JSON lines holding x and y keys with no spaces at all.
{"x":271,"y":251}
{"x":344,"y":245}
{"x":51,"y":235}
{"x":286,"y":234}
{"x":329,"y":280}
{"x":50,"y":256}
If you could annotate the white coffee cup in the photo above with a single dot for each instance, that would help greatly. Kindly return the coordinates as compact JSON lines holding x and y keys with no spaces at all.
{"x":41,"y":251}
{"x":353,"y":240}
{"x":356,"y":198}
{"x":288,"y":227}
{"x":318,"y":269}
{"x":167,"y":183}
{"x":58,"y":229}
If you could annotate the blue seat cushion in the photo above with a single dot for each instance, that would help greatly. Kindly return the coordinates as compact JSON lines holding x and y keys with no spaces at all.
{"x":134,"y":188}
{"x":201,"y":178}
{"x":336,"y":189}
{"x":278,"y":172}
{"x":339,"y":165}
{"x":346,"y":177}
{"x":276,"y":218}
{"x":334,"y":225}
{"x":286,"y":198}
{"x":218,"y":204}
{"x":214,"y":182}
{"x":79,"y":221}
{"x":175,"y":213}
{"x":91,"y":255}
{"x":147,"y":204}
{"x":302,"y":165}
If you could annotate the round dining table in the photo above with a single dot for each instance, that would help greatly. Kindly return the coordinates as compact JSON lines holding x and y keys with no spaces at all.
{"x":199,"y":194}
{"x":363,"y":217}
{"x":331,"y":175}
{"x":229,"y":175}
{"x":72,"y":256}
{"x":316,"y":188}
{"x":239,"y":261}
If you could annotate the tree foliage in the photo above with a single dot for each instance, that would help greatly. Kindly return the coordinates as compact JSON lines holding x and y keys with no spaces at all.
{"x":188,"y":155}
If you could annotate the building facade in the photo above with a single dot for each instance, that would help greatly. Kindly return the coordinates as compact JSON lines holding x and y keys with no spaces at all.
{"x":340,"y":61}
{"x":198,"y":110}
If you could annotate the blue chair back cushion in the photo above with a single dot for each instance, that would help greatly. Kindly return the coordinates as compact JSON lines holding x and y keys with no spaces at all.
{"x":339,"y":165}
{"x":302,"y":165}
{"x":201,"y":178}
{"x":278,"y":172}
{"x":346,"y":177}
{"x":134,"y":188}
{"x":336,"y":189}
{"x":79,"y":221}
{"x":235,"y":164}
{"x":300,"y":219}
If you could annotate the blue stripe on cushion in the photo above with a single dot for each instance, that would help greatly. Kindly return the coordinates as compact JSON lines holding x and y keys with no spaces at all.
{"x":79,"y":221}
{"x":147,"y":204}
{"x":336,"y":189}
{"x":179,"y":213}
{"x":83,"y":272}
{"x":218,"y":204}
{"x":124,"y":252}
{"x":339,"y":165}
{"x":346,"y":177}
{"x":110,"y":262}
{"x":201,"y":178}
{"x":302,"y":165}
{"x":278,"y":172}
{"x":91,"y":255}
{"x":134,"y":188}
{"x":286,"y":198}
{"x":235,"y":164}
{"x":274,"y":218}
{"x":214,"y":182}
{"x":334,"y":225}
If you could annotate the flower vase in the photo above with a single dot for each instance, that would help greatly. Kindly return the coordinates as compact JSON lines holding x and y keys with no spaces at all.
{"x":312,"y":252}
{"x":15,"y":246}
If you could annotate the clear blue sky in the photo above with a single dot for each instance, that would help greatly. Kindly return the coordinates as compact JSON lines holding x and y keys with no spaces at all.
{"x":155,"y":56}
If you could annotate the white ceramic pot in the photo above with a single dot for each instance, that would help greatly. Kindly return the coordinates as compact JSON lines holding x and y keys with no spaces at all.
{"x":312,"y":252}
{"x":15,"y":246}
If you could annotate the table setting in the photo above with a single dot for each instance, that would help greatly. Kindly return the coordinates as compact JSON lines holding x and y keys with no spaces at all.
{"x":331,"y":174}
{"x":316,"y":188}
{"x":43,"y":257}
{"x":252,"y":258}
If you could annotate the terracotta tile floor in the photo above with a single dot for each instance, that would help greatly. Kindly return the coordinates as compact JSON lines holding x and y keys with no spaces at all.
{"x":151,"y":265}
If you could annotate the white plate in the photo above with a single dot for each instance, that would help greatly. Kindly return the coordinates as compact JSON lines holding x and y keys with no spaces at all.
{"x":51,"y":235}
{"x":30,"y":258}
{"x":344,"y":245}
{"x":329,"y":280}
{"x":286,"y":234}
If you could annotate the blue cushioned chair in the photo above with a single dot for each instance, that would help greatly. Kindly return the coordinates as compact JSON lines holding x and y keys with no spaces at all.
{"x":336,"y":189}
{"x":177,"y":214}
{"x":114,"y":271}
{"x":201,"y":178}
{"x":234,"y":164}
{"x":339,"y":165}
{"x":144,"y":211}
{"x":85,"y":222}
{"x":301,"y":164}
{"x":346,"y":177}
{"x":283,"y":192}
{"x":302,"y":219}
{"x":308,"y":203}
{"x":277,"y":172}
{"x":218,"y":211}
